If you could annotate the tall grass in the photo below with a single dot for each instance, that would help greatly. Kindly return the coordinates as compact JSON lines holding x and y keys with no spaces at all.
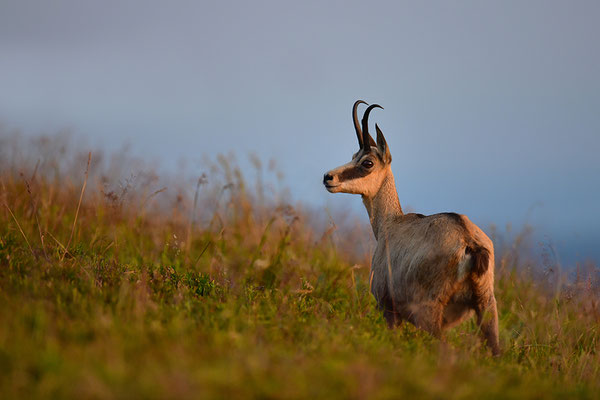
{"x":115,"y":283}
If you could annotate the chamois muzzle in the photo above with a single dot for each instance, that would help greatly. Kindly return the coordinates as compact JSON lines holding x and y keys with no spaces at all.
{"x":330,"y":182}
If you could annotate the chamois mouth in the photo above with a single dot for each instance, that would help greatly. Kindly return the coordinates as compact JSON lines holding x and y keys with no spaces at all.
{"x":330,"y":187}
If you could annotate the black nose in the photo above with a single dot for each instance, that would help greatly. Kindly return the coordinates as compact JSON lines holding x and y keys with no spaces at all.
{"x":327,"y":177}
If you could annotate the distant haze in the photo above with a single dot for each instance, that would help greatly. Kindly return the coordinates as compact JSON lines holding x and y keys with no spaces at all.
{"x":492,"y":109}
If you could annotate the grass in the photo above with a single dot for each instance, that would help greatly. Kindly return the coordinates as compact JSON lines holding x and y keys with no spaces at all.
{"x":113,"y":286}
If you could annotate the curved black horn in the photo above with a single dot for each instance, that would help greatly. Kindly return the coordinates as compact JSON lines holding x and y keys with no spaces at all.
{"x":356,"y":123}
{"x":367,"y":139}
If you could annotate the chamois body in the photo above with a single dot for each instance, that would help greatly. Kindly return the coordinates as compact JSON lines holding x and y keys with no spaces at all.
{"x":433,"y":271}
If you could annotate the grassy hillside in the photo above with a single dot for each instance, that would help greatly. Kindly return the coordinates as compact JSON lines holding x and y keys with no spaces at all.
{"x":113,"y":285}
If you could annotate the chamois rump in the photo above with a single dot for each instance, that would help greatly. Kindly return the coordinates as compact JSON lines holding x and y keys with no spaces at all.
{"x":433,"y":271}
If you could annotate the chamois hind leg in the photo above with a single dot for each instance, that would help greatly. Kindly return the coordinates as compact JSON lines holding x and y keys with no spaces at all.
{"x":390,"y":312}
{"x":487,"y":319}
{"x":482,"y":279}
{"x":391,"y":318}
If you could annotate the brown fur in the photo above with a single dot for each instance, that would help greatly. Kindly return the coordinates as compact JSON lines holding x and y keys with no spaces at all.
{"x":433,"y":271}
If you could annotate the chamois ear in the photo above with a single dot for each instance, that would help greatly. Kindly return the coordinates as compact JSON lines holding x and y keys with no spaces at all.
{"x":372,"y":141}
{"x":382,"y":146}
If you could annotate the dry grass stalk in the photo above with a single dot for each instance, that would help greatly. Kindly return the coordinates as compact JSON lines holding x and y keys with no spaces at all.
{"x":87,"y":170}
{"x":20,"y":230}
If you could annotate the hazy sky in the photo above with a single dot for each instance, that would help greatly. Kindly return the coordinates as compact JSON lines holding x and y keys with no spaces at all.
{"x":491,"y":109}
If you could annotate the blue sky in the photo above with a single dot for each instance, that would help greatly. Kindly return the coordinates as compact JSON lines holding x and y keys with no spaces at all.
{"x":491,"y":109}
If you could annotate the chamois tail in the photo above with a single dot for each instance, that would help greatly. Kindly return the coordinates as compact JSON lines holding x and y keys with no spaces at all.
{"x":481,"y":259}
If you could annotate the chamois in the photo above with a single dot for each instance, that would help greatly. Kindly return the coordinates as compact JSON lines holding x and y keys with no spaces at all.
{"x":432,"y":271}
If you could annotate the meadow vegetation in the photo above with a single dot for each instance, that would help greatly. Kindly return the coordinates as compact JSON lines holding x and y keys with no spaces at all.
{"x":115,"y":283}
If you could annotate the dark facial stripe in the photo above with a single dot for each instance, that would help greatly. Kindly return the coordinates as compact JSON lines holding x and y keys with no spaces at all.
{"x":353,"y":173}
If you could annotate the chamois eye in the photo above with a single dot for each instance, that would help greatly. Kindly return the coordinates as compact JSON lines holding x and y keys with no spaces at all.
{"x":367,"y":164}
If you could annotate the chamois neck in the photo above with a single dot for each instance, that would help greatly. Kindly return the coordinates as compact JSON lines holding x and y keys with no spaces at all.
{"x":383,"y":205}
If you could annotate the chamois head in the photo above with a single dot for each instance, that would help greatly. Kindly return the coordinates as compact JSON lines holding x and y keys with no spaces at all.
{"x":365,"y":172}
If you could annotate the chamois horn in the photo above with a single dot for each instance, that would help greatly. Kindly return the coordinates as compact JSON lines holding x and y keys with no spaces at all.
{"x":356,"y":122}
{"x":367,"y":139}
